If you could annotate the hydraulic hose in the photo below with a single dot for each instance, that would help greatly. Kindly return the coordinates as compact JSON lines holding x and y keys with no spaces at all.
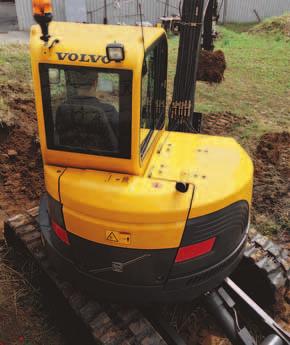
{"x":215,"y":306}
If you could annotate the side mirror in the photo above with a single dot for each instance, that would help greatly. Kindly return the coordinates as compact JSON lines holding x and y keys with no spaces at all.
{"x":54,"y":76}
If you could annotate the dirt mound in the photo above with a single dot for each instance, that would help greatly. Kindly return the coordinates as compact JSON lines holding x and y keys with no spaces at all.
{"x":272,"y":173}
{"x":212,"y":66}
{"x":271,"y":157}
{"x":222,"y":123}
{"x":21,"y":169}
{"x":21,"y":176}
{"x":274,"y":25}
{"x":20,"y":107}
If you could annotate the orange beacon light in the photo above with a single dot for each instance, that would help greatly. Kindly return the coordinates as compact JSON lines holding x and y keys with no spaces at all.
{"x":41,"y":7}
{"x":42,"y":12}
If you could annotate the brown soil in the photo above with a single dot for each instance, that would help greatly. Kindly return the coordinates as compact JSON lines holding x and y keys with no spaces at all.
{"x":21,"y":173}
{"x":271,"y":156}
{"x":212,"y":66}
{"x":195,"y":325}
{"x":272,"y":174}
{"x":22,"y":320}
{"x":222,"y":124}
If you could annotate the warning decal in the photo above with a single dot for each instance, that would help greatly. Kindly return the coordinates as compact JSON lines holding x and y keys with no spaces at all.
{"x":112,"y":237}
{"x":118,"y":237}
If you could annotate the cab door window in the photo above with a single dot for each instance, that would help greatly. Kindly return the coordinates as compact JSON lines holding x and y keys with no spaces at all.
{"x":153,"y":98}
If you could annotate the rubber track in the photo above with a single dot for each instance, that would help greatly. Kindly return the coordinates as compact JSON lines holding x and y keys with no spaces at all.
{"x":272,"y":260}
{"x":109,"y":325}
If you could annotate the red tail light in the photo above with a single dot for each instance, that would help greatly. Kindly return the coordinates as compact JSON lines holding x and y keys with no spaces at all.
{"x":60,"y":232}
{"x":194,"y":250}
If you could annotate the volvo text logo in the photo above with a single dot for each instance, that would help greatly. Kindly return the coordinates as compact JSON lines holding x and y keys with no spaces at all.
{"x":82,"y":57}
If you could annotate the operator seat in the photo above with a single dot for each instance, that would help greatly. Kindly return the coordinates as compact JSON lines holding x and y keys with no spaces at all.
{"x":85,"y":126}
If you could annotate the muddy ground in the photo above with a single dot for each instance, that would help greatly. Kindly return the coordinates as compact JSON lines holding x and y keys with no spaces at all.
{"x":21,"y":184}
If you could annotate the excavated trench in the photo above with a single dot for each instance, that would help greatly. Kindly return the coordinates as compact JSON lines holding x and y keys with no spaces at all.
{"x":21,"y":173}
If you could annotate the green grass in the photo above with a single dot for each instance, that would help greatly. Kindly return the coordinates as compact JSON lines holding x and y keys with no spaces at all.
{"x":14,"y":69}
{"x":241,"y":27}
{"x":276,"y":26}
{"x":256,"y":84}
{"x":14,"y":63}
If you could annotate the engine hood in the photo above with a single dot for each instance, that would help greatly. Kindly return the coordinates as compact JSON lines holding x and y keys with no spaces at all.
{"x":218,"y":167}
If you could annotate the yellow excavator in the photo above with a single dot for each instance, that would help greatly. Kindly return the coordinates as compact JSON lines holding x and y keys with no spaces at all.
{"x":139,"y":205}
{"x":132,"y":210}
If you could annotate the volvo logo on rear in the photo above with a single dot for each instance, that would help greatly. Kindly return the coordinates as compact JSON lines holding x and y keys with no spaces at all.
{"x":118,"y":267}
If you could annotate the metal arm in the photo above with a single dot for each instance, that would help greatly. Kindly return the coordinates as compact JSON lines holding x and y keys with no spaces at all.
{"x":209,"y":19}
{"x":221,"y":305}
{"x":182,"y":117}
{"x":279,"y":332}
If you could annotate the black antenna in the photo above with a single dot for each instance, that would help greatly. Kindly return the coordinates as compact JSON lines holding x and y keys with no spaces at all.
{"x":166,"y":9}
{"x":105,"y":12}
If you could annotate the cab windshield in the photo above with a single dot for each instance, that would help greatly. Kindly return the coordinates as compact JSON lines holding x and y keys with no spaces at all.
{"x":87,"y":110}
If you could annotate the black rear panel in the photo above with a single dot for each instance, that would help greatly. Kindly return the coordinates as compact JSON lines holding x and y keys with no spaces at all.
{"x":233,"y":218}
{"x":228,"y":225}
{"x":143,"y":275}
{"x":122,"y":265}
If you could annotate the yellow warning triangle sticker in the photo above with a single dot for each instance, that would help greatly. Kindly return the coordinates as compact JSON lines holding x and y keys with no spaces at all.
{"x":112,"y":237}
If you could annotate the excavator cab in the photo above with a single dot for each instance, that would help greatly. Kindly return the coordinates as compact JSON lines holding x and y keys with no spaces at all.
{"x":91,"y":105}
{"x":132,"y":211}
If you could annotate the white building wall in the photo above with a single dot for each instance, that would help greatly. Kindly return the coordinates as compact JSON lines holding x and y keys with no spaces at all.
{"x":24,"y":12}
{"x":122,"y":11}
{"x":125,"y":11}
{"x":242,"y":11}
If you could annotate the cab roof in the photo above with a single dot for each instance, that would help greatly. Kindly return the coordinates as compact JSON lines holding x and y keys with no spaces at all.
{"x":78,"y":38}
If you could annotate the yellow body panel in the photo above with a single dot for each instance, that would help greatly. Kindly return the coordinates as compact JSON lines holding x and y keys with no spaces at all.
{"x":154,"y":213}
{"x":51,"y":177}
{"x":149,"y":208}
{"x":92,"y":39}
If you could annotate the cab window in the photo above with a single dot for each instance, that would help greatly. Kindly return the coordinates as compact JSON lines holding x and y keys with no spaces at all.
{"x":87,"y":110}
{"x":153,"y":100}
